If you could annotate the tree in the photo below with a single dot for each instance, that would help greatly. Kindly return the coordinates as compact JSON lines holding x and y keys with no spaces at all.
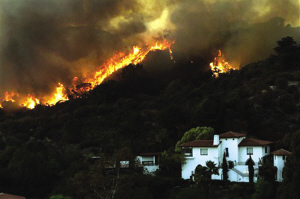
{"x":212,"y":168}
{"x":203,"y":174}
{"x":263,"y":189}
{"x":224,"y":168}
{"x":198,"y":133}
{"x":267,"y":171}
{"x":289,"y":188}
{"x":286,"y":45}
{"x":170,"y":164}
{"x":250,"y":164}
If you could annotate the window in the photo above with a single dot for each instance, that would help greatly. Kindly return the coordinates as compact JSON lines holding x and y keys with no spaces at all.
{"x":249,"y":151}
{"x":204,"y":151}
{"x":226,"y":152}
{"x":148,"y":163}
{"x":187,"y":151}
{"x":266,"y":149}
{"x":283,"y":157}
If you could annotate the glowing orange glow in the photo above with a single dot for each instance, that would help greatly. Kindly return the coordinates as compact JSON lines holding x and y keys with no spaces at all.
{"x":30,"y":102}
{"x":118,"y":61}
{"x":219,"y":65}
{"x":121,"y":60}
{"x":59,"y":96}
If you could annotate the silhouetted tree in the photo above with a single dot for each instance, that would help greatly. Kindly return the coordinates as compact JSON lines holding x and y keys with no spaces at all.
{"x":250,"y":164}
{"x":224,"y":168}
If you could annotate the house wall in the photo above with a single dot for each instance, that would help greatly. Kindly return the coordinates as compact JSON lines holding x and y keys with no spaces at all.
{"x":148,"y":168}
{"x":258,"y":152}
{"x":192,"y":162}
{"x":231,"y":144}
{"x":279,"y":163}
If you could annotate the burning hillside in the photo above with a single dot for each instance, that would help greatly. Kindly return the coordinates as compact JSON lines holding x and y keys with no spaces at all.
{"x":219,"y":65}
{"x":118,"y":61}
{"x":50,"y":41}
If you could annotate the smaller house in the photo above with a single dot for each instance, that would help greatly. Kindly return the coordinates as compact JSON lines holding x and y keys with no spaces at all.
{"x":279,"y":159}
{"x":149,"y":161}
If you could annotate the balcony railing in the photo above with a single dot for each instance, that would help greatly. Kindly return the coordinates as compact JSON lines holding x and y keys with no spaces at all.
{"x":148,"y":163}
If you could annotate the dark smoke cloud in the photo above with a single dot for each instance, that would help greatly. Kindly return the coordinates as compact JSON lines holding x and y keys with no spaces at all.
{"x":245,"y":30}
{"x":43,"y":42}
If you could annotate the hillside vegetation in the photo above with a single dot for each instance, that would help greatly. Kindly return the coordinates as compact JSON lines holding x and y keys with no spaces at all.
{"x":49,"y":150}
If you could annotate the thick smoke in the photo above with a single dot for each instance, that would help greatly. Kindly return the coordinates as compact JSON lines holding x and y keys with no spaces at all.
{"x":245,"y":30}
{"x":43,"y":42}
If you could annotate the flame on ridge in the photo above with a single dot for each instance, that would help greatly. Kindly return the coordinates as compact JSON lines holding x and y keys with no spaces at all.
{"x":219,"y":65}
{"x":118,"y":61}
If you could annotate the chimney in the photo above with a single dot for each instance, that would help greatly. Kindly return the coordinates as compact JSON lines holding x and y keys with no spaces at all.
{"x":216,"y":140}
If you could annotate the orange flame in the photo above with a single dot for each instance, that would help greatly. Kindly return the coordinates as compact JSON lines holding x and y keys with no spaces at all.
{"x":30,"y":102}
{"x":219,"y":65}
{"x":59,"y":95}
{"x":121,"y":60}
{"x":118,"y":61}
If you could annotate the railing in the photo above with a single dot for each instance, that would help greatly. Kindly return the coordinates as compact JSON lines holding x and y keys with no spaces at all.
{"x":240,"y":173}
{"x":148,"y":163}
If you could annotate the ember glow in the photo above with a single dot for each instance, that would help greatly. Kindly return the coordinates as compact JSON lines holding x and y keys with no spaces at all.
{"x":118,"y":61}
{"x":219,"y":65}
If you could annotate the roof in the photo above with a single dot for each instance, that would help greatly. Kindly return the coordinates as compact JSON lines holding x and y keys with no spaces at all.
{"x":9,"y":196}
{"x":199,"y":143}
{"x":231,"y":134}
{"x":254,"y":142}
{"x":281,"y":152}
{"x":151,"y":154}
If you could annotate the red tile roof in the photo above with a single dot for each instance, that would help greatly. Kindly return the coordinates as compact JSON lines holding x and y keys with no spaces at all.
{"x":281,"y":152}
{"x":231,"y":134}
{"x":9,"y":196}
{"x":254,"y":142}
{"x":199,"y":143}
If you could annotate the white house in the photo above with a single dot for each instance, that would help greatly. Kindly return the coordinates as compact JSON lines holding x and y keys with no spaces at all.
{"x":149,"y":161}
{"x":279,"y":162}
{"x":236,"y":148}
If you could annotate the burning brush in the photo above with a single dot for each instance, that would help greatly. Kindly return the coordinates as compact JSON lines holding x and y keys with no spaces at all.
{"x":118,"y":61}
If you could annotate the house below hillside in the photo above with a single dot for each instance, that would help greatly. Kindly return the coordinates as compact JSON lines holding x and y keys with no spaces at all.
{"x":237,"y":149}
{"x":149,"y":161}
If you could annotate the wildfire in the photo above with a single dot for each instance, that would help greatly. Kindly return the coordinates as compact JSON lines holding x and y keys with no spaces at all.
{"x":219,"y":65}
{"x":30,"y":102}
{"x":121,"y":60}
{"x":118,"y":61}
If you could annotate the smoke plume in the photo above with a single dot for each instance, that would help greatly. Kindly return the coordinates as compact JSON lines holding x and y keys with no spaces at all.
{"x":43,"y":42}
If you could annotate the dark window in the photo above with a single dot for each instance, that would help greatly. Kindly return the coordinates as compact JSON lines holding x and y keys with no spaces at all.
{"x":226,"y":152}
{"x":148,"y":163}
{"x":283,"y":157}
{"x":204,"y":151}
{"x":266,"y":149}
{"x":249,"y":151}
{"x":187,"y":151}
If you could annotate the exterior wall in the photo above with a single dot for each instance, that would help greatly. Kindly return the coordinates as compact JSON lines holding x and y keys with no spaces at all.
{"x":231,"y":144}
{"x":258,"y":152}
{"x":279,"y":163}
{"x":192,"y":162}
{"x":148,"y":168}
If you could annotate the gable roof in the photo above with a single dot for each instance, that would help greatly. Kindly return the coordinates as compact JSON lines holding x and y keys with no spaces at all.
{"x":254,"y":142}
{"x":10,"y":196}
{"x":231,"y":134}
{"x":199,"y":143}
{"x":281,"y":152}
